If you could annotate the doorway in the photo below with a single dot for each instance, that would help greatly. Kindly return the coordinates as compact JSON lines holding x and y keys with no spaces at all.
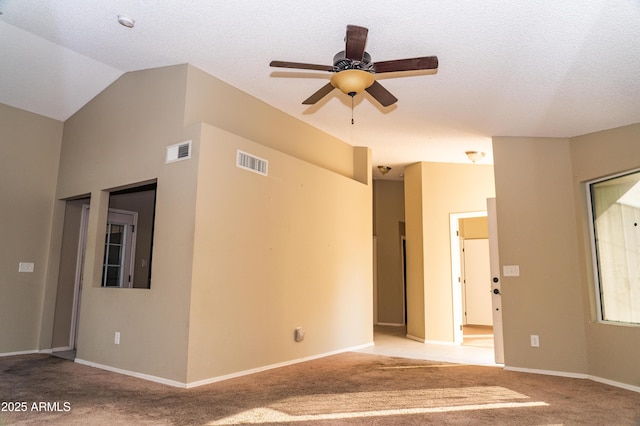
{"x":77,"y":293}
{"x":477,"y":329}
{"x":470,"y":275}
{"x":476,"y":278}
{"x":69,"y":288}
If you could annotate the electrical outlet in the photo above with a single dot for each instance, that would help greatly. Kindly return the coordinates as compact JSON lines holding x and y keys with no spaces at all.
{"x":116,"y":339}
{"x":535,"y":341}
{"x":298,"y":334}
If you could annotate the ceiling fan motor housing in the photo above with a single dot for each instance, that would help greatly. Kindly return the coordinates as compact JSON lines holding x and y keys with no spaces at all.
{"x":341,"y":62}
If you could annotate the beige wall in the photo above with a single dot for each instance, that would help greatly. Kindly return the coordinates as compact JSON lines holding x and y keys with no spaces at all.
{"x":542,"y":181}
{"x":472,"y":228}
{"x":388,"y":216}
{"x":414,"y":204}
{"x":432,"y":192}
{"x":311,"y":265}
{"x":314,"y":272}
{"x":214,"y":102}
{"x":537,"y":231}
{"x":612,"y":349}
{"x":119,"y":139}
{"x":272,"y":253}
{"x":28,"y":169}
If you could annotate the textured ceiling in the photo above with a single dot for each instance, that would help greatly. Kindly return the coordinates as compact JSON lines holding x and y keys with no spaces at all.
{"x":507,"y":68}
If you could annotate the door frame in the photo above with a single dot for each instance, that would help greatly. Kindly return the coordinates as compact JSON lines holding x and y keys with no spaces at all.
{"x":496,"y":279}
{"x":77,"y":286}
{"x":375,"y":280}
{"x":403,"y":261}
{"x":456,"y":271}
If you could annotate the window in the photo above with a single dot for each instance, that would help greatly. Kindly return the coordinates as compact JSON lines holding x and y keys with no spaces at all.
{"x":129,"y":237}
{"x":615,"y":211}
{"x":119,"y":248}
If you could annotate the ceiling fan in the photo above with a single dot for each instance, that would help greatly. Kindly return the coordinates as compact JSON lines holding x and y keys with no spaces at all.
{"x":354,"y":71}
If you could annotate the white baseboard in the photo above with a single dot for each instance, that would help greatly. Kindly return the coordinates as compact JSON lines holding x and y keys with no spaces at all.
{"x":310,"y":358}
{"x":148,"y":377}
{"x":440,"y":342}
{"x":60,"y":349}
{"x":417,"y":339}
{"x":389,"y":324}
{"x":431,"y":342}
{"x":548,"y":372}
{"x":278,"y":365}
{"x":576,"y":376}
{"x":177,"y":384}
{"x":33,"y":351}
{"x":616,"y":384}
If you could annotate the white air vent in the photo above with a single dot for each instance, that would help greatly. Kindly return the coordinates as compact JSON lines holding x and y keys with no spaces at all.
{"x":252,"y":163}
{"x":178,"y":152}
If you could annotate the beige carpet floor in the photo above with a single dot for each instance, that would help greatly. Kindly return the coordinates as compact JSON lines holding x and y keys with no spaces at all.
{"x":345,"y":389}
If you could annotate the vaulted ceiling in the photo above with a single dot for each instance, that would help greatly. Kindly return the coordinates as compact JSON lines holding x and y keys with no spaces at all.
{"x":507,"y":68}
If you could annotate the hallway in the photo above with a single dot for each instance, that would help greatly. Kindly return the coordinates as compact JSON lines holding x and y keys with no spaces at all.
{"x":391,"y":341}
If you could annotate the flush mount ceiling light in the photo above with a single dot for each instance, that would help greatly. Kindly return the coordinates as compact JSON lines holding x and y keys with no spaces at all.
{"x":475,"y":156}
{"x":384,"y":169}
{"x":125,"y":21}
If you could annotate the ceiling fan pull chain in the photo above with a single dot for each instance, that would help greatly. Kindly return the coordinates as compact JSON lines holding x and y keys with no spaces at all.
{"x":351,"y":110}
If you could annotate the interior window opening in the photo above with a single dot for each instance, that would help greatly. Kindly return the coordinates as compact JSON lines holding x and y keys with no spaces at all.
{"x":129,"y":237}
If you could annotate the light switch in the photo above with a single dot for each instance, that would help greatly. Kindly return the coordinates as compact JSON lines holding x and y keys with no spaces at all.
{"x":26,"y":267}
{"x":510,"y":270}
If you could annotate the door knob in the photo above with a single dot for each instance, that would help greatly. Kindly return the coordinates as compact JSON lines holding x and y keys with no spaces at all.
{"x":495,"y":279}
{"x":496,"y":291}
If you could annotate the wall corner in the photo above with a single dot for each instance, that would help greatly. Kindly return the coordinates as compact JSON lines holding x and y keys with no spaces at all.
{"x":362,"y":164}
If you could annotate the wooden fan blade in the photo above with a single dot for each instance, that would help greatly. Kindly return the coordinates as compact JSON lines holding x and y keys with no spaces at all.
{"x":324,"y":91}
{"x":412,"y":64}
{"x":355,"y":42}
{"x":299,"y":65}
{"x":381,"y":94}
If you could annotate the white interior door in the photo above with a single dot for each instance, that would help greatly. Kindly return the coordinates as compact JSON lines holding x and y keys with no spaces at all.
{"x":496,"y":297}
{"x":457,"y":272}
{"x":477,"y":282}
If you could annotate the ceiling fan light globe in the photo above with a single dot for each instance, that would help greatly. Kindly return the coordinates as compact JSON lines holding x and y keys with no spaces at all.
{"x":352,"y":81}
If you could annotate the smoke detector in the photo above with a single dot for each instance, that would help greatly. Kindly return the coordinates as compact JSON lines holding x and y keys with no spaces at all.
{"x":126,"y":21}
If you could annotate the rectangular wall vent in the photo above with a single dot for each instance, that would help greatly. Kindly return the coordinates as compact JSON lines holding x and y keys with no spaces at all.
{"x":178,"y":152}
{"x":252,"y":163}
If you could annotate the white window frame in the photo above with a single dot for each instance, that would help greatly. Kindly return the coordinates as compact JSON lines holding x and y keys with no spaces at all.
{"x":125,"y":279}
{"x":594,"y":251}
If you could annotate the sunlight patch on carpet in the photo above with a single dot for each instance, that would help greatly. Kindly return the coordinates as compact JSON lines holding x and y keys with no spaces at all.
{"x":367,"y":404}
{"x":403,"y":367}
